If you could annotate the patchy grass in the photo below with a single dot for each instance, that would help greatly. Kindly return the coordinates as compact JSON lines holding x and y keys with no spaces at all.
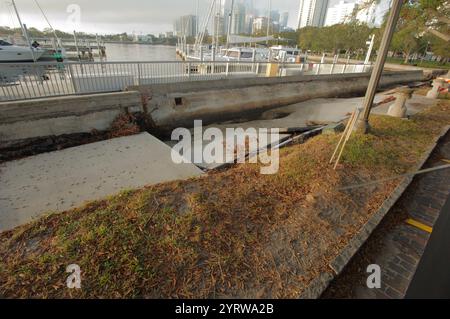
{"x":420,"y":63}
{"x":234,"y":233}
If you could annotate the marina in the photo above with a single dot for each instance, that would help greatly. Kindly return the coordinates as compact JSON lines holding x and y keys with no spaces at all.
{"x":46,"y":79}
{"x":231,"y":156}
{"x":57,"y":67}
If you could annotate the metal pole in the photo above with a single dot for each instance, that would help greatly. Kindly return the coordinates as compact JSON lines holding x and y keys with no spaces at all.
{"x":268,"y":21}
{"x":76,"y":44}
{"x":98,"y":47}
{"x":48,"y":22}
{"x":196,"y":20}
{"x":25,"y":30}
{"x":369,"y":53}
{"x":363,"y":124}
{"x":18,"y":17}
{"x":230,"y":20}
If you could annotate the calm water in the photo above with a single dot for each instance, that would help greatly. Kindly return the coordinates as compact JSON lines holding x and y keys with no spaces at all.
{"x":139,"y":52}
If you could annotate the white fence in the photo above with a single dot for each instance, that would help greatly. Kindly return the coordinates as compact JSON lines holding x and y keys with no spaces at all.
{"x":20,"y":81}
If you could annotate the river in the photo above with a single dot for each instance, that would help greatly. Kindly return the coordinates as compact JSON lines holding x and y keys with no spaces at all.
{"x":139,"y":52}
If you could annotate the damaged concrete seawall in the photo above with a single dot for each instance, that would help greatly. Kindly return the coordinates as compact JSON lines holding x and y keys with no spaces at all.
{"x":64,"y":115}
{"x":177,"y":105}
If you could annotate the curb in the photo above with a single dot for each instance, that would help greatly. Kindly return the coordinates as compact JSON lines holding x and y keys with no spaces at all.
{"x":320,"y":283}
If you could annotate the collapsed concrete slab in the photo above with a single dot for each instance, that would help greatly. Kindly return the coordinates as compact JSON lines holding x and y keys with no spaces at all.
{"x":65,"y":179}
{"x":232,"y":150}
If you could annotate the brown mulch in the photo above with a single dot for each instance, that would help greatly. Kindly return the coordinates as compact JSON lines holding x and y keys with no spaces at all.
{"x":234,"y":233}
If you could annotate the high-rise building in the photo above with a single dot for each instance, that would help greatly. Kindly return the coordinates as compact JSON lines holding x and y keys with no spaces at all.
{"x":186,"y":26}
{"x":226,"y":12}
{"x":312,"y":13}
{"x":249,"y":18}
{"x":340,"y":13}
{"x":250,"y":7}
{"x":373,"y":14}
{"x":219,"y":25}
{"x":260,"y":25}
{"x":284,"y":20}
{"x":238,"y":21}
{"x":275,"y":16}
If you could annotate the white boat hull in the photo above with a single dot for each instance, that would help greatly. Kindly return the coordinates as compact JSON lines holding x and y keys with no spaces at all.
{"x":14,"y":54}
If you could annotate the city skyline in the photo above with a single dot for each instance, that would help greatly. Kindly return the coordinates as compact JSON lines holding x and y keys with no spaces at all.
{"x":112,"y":17}
{"x":105,"y":20}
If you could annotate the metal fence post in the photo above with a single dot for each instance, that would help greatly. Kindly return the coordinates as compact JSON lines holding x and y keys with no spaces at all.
{"x":253,"y":59}
{"x":72,"y":80}
{"x":139,"y":74}
{"x":345,"y":65}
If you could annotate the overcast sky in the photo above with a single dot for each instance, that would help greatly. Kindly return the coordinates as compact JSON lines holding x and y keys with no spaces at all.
{"x":115,"y":16}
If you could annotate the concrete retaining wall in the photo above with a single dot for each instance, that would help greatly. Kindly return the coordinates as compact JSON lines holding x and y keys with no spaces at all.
{"x":64,"y":115}
{"x":177,"y":105}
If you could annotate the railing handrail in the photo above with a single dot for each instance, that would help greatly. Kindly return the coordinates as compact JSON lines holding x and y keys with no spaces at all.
{"x":43,"y":63}
{"x":27,"y":80}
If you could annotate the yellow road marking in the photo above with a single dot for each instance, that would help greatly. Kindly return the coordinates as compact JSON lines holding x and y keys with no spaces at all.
{"x":419,"y":225}
{"x":445,"y":160}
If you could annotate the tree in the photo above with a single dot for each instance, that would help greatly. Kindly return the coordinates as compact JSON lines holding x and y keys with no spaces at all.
{"x":347,"y":38}
{"x":408,"y":36}
{"x":433,"y":16}
{"x":420,"y":22}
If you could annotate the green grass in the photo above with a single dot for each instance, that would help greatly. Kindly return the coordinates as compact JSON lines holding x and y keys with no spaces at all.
{"x":420,"y":63}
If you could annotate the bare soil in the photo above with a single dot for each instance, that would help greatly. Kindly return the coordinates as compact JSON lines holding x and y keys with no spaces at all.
{"x":233,"y":233}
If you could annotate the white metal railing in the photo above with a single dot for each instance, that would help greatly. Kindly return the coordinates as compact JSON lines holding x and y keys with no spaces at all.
{"x":20,"y":81}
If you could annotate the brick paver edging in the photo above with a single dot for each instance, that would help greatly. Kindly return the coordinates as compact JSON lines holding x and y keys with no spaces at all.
{"x":320,"y":283}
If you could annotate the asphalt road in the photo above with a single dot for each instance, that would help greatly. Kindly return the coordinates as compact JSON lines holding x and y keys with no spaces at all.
{"x":432,"y":278}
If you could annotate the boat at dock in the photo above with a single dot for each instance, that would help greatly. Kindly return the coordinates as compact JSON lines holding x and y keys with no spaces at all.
{"x":287,"y":54}
{"x":14,"y":53}
{"x":243,"y":54}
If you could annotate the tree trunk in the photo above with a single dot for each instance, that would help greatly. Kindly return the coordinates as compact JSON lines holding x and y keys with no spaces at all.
{"x":406,"y":58}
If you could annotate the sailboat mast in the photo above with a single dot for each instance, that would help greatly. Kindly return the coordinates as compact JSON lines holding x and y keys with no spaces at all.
{"x":49,"y":24}
{"x":196,"y":20}
{"x":18,"y":17}
{"x":230,"y":21}
{"x":24,"y":30}
{"x":269,"y":20}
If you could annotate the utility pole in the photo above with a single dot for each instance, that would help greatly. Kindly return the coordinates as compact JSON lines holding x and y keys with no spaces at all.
{"x":363,"y":124}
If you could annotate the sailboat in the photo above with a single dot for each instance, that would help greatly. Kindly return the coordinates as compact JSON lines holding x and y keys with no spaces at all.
{"x":13,"y":53}
{"x":16,"y":54}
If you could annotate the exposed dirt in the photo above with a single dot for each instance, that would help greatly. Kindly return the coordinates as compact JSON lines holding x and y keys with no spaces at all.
{"x":123,"y":125}
{"x":234,"y":233}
